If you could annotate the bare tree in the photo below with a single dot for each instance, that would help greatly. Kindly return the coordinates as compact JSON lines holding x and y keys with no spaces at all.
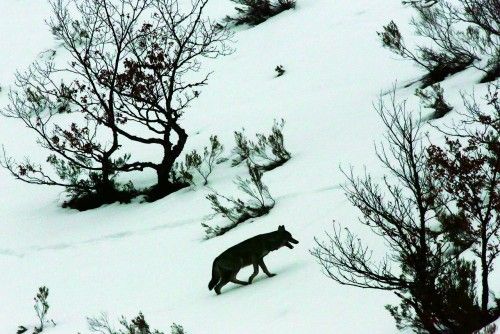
{"x":152,"y":86}
{"x":436,"y":286}
{"x":126,"y":67}
{"x":142,"y":63}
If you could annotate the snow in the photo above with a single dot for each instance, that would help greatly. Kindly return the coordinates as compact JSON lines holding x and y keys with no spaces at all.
{"x":122,"y":259}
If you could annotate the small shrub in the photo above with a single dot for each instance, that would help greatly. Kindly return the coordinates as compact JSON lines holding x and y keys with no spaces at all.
{"x":138,"y":325}
{"x":202,"y":165}
{"x":253,"y":12}
{"x":433,"y":98}
{"x":259,"y":203}
{"x":21,"y":330}
{"x":213,"y":231}
{"x":242,"y":149}
{"x":233,"y":213}
{"x":272,"y":147}
{"x":41,"y":309}
{"x":257,"y":191}
{"x":280,"y":70}
{"x":458,"y":34}
{"x":176,"y":329}
{"x":439,"y":64}
{"x":180,"y":173}
{"x":267,"y":153}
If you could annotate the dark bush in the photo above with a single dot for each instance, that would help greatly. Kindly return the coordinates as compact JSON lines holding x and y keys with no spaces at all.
{"x":433,"y":98}
{"x":178,"y":181}
{"x":253,"y":12}
{"x":280,"y":70}
{"x":90,"y":198}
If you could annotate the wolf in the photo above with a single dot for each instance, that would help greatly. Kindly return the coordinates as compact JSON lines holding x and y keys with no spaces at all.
{"x":251,"y":251}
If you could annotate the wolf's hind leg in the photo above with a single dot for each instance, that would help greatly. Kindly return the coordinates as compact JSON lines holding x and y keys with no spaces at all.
{"x":264,"y":268}
{"x":255,"y":272}
{"x":237,"y":281}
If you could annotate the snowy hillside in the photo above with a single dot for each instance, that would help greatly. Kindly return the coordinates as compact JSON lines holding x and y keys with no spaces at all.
{"x":152,"y":257}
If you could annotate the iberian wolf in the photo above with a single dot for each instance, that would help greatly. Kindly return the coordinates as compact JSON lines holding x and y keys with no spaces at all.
{"x":251,"y":251}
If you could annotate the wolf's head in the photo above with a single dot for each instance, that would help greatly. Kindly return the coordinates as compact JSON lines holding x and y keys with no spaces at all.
{"x":286,"y":237}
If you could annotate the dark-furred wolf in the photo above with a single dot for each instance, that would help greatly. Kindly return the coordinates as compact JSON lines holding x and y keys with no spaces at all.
{"x":251,"y":251}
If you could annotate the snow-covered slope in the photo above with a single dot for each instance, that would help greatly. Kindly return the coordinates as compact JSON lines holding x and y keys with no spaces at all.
{"x":123,"y":259}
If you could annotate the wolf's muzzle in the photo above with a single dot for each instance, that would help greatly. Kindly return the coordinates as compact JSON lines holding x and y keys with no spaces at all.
{"x":292,"y":240}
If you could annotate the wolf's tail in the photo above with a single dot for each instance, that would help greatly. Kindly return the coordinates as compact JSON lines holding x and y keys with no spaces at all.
{"x":215,"y":276}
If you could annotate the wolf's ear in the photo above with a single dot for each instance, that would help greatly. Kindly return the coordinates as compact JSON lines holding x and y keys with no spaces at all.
{"x":281,"y":228}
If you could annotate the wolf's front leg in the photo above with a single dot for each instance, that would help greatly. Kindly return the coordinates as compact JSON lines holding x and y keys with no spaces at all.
{"x":264,"y":268}
{"x":255,"y":272}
